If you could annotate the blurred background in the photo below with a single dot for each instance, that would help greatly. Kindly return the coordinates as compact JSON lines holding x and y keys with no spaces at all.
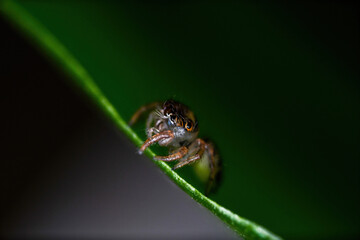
{"x":275,"y":85}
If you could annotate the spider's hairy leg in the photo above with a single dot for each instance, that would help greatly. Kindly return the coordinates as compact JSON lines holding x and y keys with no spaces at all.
{"x":199,"y":145}
{"x":158,"y":127}
{"x":154,"y":116}
{"x":142,"y":110}
{"x":151,"y":131}
{"x":150,"y":120}
{"x":166,"y":137}
{"x":175,"y":156}
{"x":215,"y":167}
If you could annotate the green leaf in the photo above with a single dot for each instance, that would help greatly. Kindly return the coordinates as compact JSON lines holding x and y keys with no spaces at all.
{"x":280,"y":108}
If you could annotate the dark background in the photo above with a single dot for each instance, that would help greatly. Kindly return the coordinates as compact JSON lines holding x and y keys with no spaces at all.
{"x":60,"y":174}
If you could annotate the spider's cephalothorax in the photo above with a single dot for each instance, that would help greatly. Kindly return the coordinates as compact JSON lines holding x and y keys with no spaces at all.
{"x":173,"y":125}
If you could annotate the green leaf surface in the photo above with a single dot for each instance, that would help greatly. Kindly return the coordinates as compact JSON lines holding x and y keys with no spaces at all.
{"x":281,"y":111}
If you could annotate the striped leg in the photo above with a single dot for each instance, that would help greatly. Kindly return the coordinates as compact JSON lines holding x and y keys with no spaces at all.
{"x":165,"y":136}
{"x":175,"y":156}
{"x":200,"y":148}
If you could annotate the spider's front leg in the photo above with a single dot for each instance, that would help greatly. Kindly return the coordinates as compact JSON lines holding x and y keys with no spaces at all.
{"x":199,"y":147}
{"x":151,"y":131}
{"x":159,"y":127}
{"x":165,"y":137}
{"x":175,"y":156}
{"x":141,"y":111}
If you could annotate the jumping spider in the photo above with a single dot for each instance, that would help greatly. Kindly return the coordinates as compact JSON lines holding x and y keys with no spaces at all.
{"x":173,"y":125}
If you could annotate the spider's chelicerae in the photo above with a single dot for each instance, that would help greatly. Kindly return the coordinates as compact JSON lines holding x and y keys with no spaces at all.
{"x":173,"y":125}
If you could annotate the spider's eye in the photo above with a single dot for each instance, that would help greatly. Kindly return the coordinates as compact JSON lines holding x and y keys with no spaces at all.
{"x":189,"y":126}
{"x":179,"y":122}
